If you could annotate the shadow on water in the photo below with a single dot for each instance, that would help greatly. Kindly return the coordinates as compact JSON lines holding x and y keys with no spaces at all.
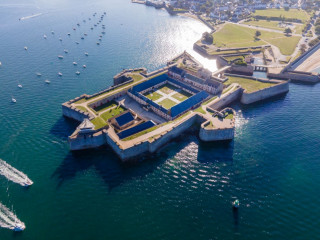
{"x":64,"y":127}
{"x":211,"y":152}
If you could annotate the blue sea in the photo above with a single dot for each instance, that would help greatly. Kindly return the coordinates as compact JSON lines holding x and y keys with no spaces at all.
{"x":185,"y":190}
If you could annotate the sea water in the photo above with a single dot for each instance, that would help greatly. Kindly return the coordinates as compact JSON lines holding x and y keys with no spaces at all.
{"x":186,"y":190}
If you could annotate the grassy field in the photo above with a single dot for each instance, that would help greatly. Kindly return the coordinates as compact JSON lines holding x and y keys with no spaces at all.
{"x":232,"y":35}
{"x":112,"y":113}
{"x":136,"y":77}
{"x":106,"y":106}
{"x":98,"y":122}
{"x":167,"y":103}
{"x":154,"y":96}
{"x":266,"y":24}
{"x":167,"y":88}
{"x":200,"y":110}
{"x":181,"y":96}
{"x":292,"y":13}
{"x":80,"y":101}
{"x":82,"y":108}
{"x":229,"y":116}
{"x":248,"y":84}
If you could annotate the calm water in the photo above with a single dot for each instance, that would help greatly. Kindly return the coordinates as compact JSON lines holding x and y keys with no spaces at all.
{"x":186,"y":190}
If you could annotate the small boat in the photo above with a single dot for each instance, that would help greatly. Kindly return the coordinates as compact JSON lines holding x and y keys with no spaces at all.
{"x":100,"y":39}
{"x":60,"y":56}
{"x":0,"y":64}
{"x":74,"y":29}
{"x":19,"y":86}
{"x":103,"y":27}
{"x":60,"y":39}
{"x":98,"y":43}
{"x":18,"y":227}
{"x":104,"y":13}
{"x":77,"y":72}
{"x":27,"y":182}
{"x":236,"y":204}
{"x":68,"y":34}
{"x":52,"y":32}
{"x":45,"y":36}
{"x":103,"y":32}
{"x":89,"y":19}
{"x":13,"y":100}
{"x":47,"y":81}
{"x":82,"y":38}
{"x":66,"y":51}
{"x":84,"y":66}
{"x":95,"y":25}
{"x":38,"y":74}
{"x":85,"y":34}
{"x":100,"y":36}
{"x":75,"y":63}
{"x":78,"y":24}
{"x":60,"y":74}
{"x":84,"y":21}
{"x":77,"y":42}
{"x":25,"y":48}
{"x":91,"y":28}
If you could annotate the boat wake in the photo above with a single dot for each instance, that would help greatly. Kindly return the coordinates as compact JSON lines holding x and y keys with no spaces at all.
{"x":9,"y":220}
{"x":14,"y":175}
{"x":32,"y":16}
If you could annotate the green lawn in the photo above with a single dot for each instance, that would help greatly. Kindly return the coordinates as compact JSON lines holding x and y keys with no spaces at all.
{"x":80,"y":101}
{"x":266,"y":24}
{"x":167,"y":103}
{"x":106,"y":106}
{"x":98,"y":123}
{"x":112,"y":113}
{"x":154,"y":96}
{"x":232,"y":35}
{"x":167,"y":88}
{"x":181,"y":96}
{"x":82,"y":108}
{"x":248,"y":84}
{"x":229,"y":116}
{"x":136,"y":77}
{"x":298,"y":28}
{"x":292,"y":13}
{"x":200,"y":110}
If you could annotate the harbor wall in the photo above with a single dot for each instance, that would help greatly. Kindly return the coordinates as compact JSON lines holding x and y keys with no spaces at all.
{"x":87,"y":141}
{"x":295,"y":76}
{"x":214,"y":134}
{"x":74,"y":113}
{"x":248,"y":98}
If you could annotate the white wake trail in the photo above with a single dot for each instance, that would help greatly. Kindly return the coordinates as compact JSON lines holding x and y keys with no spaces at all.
{"x":8,"y":219}
{"x":13,"y":174}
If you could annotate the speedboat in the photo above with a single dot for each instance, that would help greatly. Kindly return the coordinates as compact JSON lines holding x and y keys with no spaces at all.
{"x":60,"y":39}
{"x":82,"y":38}
{"x":236,"y":204}
{"x":77,"y":72}
{"x":45,"y":36}
{"x":100,"y":39}
{"x":74,"y":29}
{"x":47,"y":81}
{"x":84,"y":66}
{"x":87,"y":54}
{"x":66,"y":51}
{"x":19,"y":86}
{"x":60,"y":56}
{"x":52,"y":32}
{"x":60,"y":74}
{"x":38,"y":74}
{"x":74,"y":63}
{"x":69,"y":34}
{"x":78,"y":24}
{"x":85,"y":34}
{"x":100,"y":36}
{"x":103,"y":32}
{"x":95,"y":25}
{"x":25,"y":48}
{"x":0,"y":64}
{"x":104,"y":13}
{"x":13,"y":100}
{"x":84,"y":21}
{"x":91,"y":28}
{"x":98,"y":43}
{"x":77,"y":42}
{"x":89,"y":19}
{"x":18,"y":227}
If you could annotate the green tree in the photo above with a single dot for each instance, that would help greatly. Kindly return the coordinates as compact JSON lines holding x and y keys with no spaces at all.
{"x":288,"y":31}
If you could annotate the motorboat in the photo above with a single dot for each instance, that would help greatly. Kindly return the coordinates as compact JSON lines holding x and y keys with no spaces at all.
{"x":77,"y":72}
{"x":77,"y":42}
{"x":236,"y":204}
{"x":52,"y":32}
{"x":100,"y":39}
{"x":84,"y":66}
{"x":89,"y":19}
{"x":69,"y":34}
{"x":84,"y":21}
{"x":98,"y":43}
{"x":19,"y":86}
{"x":74,"y":29}
{"x":100,"y":36}
{"x":18,"y":227}
{"x":78,"y":24}
{"x":38,"y":74}
{"x":85,"y":34}
{"x":82,"y":38}
{"x":87,"y":54}
{"x":60,"y":56}
{"x":75,"y":63}
{"x":60,"y":39}
{"x":103,"y":32}
{"x":91,"y":28}
{"x":47,"y":81}
{"x":60,"y":74}
{"x":25,"y":48}
{"x":45,"y":36}
{"x":27,"y":182}
{"x":13,"y":100}
{"x":0,"y":64}
{"x":66,"y":51}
